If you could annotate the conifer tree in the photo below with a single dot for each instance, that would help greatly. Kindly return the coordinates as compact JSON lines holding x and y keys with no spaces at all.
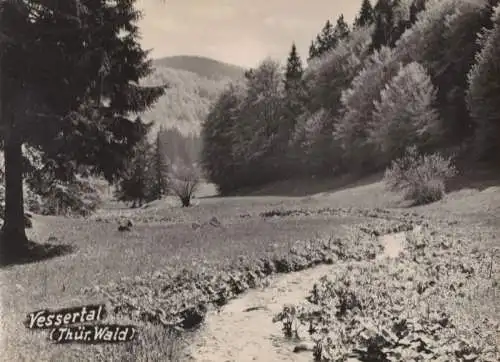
{"x":249,"y":73}
{"x":329,"y":37}
{"x":295,"y":99}
{"x":387,"y":30}
{"x":294,"y":70}
{"x":137,"y":180}
{"x":326,"y":39}
{"x":341,"y":30}
{"x":294,"y":91}
{"x":313,"y":50}
{"x":160,"y":168}
{"x":365,"y":16}
{"x":70,"y":73}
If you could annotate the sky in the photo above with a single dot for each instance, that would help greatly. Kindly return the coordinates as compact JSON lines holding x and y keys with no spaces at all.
{"x":241,"y":32}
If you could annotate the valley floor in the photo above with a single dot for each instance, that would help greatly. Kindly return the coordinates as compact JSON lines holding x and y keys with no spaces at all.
{"x":167,"y":239}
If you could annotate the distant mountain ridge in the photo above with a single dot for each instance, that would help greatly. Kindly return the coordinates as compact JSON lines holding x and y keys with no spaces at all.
{"x":202,"y":66}
{"x":194,"y":85}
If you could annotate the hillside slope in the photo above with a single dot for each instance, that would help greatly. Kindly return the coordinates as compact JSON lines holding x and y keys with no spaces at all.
{"x":202,"y":66}
{"x":194,"y":84}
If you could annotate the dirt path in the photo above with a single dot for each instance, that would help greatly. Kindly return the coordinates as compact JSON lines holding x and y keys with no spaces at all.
{"x":239,"y":334}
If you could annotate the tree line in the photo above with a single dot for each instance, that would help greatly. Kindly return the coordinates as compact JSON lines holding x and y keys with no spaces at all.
{"x":406,"y":73}
{"x":420,"y":72}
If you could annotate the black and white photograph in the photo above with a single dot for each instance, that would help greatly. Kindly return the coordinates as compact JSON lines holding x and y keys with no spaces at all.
{"x":237,"y":181}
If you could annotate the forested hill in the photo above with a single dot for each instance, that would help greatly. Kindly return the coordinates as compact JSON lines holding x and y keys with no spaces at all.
{"x":404,"y":74}
{"x":204,"y":67}
{"x":194,"y":84}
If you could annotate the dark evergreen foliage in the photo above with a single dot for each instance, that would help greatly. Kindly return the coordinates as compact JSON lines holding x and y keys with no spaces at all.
{"x":294,"y":70}
{"x":135,"y":183}
{"x":415,"y":8}
{"x":294,"y":105}
{"x":160,"y":168}
{"x":69,"y":80}
{"x":326,"y":38}
{"x":341,"y":30}
{"x":365,"y":16}
{"x":329,"y":37}
{"x":386,"y":30}
{"x":313,"y":50}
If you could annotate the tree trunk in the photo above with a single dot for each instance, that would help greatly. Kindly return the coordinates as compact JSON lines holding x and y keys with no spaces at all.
{"x":13,"y":231}
{"x":13,"y":240}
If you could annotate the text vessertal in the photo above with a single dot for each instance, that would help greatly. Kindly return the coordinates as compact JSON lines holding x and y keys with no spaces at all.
{"x":44,"y":319}
{"x":64,"y":329}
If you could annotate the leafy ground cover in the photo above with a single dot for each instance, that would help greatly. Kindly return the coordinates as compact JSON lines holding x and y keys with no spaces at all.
{"x":181,"y":298}
{"x":282,"y":233}
{"x":103,"y":254}
{"x":437,"y":301}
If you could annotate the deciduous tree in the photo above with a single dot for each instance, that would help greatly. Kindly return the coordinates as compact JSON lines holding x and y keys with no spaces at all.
{"x":358,"y":105}
{"x":405,"y":115}
{"x":443,"y":40}
{"x":483,"y":94}
{"x":219,"y":139}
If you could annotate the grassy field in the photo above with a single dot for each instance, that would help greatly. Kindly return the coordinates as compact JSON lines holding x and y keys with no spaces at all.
{"x":168,"y":239}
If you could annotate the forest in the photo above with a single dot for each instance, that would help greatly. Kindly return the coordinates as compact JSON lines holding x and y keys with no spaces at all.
{"x":419,"y":74}
{"x":414,"y":76}
{"x":99,"y":201}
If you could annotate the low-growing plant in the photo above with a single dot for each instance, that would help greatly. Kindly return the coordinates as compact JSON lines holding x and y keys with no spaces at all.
{"x":76,"y":198}
{"x":422,"y":306}
{"x":288,"y":317}
{"x":167,"y":342}
{"x":48,"y":196}
{"x":421,"y":178}
{"x":183,"y":182}
{"x":180,"y":293}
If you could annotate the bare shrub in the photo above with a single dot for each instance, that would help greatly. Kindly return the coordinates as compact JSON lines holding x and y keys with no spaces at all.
{"x":421,"y":178}
{"x":183,"y":182}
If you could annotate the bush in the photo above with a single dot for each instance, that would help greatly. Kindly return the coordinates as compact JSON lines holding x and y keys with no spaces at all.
{"x":184,"y":181}
{"x":421,"y":178}
{"x":32,"y":201}
{"x":78,"y":198}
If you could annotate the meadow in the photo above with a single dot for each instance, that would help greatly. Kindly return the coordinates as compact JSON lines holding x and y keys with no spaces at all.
{"x":178,"y":264}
